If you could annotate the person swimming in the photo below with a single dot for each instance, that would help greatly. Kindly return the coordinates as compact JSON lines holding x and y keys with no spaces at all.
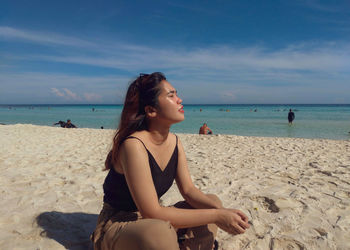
{"x":61,"y":123}
{"x":69,"y":124}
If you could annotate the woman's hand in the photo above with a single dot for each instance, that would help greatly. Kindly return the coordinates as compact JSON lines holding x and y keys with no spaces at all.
{"x":232,"y":221}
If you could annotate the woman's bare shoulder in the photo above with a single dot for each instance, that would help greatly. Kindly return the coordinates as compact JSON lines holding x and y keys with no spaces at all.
{"x":142,"y":135}
{"x":133,"y":143}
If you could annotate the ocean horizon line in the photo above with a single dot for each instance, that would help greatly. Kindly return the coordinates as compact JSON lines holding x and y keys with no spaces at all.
{"x":194,"y":104}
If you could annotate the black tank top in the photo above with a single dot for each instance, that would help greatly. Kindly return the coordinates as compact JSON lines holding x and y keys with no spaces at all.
{"x":116,"y":191}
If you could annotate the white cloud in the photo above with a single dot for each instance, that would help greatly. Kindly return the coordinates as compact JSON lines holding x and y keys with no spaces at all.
{"x":42,"y":37}
{"x":15,"y":87}
{"x":311,"y":67}
{"x":66,"y":94}
{"x":332,"y":7}
{"x":71,"y":95}
{"x":57,"y":92}
{"x":324,"y":58}
{"x":312,"y":56}
{"x":229,"y":95}
{"x":92,"y":97}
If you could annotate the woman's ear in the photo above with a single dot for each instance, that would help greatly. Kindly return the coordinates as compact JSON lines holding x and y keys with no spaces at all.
{"x":150,"y":111}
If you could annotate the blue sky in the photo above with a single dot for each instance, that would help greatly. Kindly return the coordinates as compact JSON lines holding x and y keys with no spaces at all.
{"x":212,"y":51}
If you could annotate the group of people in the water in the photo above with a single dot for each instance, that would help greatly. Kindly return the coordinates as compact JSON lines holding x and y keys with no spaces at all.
{"x":205,"y":130}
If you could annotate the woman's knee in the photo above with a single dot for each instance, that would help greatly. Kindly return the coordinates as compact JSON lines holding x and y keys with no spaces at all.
{"x":159,"y":234}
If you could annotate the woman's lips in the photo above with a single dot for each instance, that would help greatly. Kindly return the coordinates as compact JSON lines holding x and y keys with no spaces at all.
{"x":182,"y":110}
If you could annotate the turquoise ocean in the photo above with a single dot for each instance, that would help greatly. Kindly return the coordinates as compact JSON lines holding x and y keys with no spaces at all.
{"x":312,"y":121}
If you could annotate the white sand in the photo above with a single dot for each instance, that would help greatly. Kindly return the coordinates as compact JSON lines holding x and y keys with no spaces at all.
{"x":296,"y":192}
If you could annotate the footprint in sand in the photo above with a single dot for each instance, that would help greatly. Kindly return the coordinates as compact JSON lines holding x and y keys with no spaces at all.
{"x":261,"y":229}
{"x":268,"y":204}
{"x":290,"y":203}
{"x":285,"y":243}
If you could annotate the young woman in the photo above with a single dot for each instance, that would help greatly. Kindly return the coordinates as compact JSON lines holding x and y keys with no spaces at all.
{"x":143,"y":163}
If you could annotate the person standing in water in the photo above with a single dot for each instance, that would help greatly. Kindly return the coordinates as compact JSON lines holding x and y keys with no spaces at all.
{"x":143,"y":164}
{"x":291,"y":116}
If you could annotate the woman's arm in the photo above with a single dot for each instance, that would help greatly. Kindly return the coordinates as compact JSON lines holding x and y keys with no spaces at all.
{"x":134,"y":160}
{"x":230,"y":220}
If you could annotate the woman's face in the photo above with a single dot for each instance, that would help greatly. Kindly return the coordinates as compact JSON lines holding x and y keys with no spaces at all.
{"x":170,"y":105}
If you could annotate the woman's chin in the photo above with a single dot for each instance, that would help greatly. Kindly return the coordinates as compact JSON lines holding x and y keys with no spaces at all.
{"x":180,"y":119}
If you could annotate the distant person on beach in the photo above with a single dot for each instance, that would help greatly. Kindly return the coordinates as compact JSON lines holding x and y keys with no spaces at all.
{"x":205,"y":130}
{"x":61,"y":123}
{"x":291,"y":116}
{"x":144,"y":161}
{"x":69,"y":124}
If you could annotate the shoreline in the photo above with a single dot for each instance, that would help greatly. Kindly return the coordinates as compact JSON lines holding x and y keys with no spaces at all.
{"x":295,"y":191}
{"x":109,"y":129}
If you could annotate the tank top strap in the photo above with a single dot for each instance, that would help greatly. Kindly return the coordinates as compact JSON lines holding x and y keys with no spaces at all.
{"x":176,"y":139}
{"x":130,"y":136}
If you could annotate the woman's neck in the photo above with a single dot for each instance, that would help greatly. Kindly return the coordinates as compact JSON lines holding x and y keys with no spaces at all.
{"x":158,"y":135}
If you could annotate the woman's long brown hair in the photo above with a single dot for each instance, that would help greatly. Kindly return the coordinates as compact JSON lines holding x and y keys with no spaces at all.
{"x":142,"y":92}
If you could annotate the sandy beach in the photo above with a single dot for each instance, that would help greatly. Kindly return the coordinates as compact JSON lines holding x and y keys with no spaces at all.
{"x":296,"y":192}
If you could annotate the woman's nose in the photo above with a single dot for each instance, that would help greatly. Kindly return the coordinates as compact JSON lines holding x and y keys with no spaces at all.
{"x":179,"y":100}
